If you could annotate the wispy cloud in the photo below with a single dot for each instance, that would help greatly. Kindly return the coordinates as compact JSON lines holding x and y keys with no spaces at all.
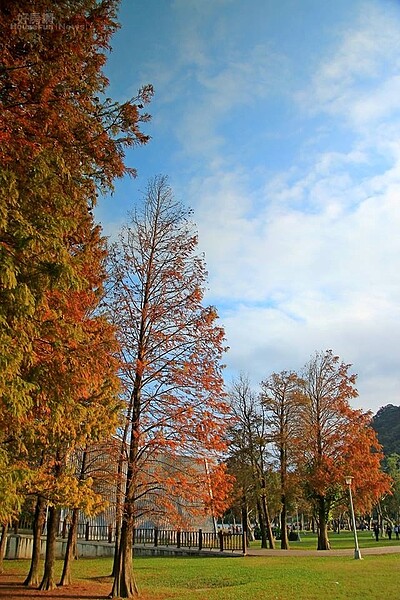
{"x":302,"y":241}
{"x":316,"y":267}
{"x":359,"y":79}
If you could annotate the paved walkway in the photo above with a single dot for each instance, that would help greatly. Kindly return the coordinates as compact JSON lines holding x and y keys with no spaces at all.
{"x":346,"y":552}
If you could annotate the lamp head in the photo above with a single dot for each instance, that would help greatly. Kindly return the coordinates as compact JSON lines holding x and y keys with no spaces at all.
{"x":349,"y":479}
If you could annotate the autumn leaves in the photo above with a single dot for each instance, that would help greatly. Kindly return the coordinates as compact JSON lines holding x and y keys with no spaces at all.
{"x":296,"y":441}
{"x":113,"y":347}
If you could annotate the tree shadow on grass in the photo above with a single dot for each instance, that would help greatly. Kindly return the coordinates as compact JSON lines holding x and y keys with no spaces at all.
{"x":12,"y":589}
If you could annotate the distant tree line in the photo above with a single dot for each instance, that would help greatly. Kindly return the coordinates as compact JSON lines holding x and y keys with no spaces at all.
{"x":293,"y":443}
{"x":386,"y":423}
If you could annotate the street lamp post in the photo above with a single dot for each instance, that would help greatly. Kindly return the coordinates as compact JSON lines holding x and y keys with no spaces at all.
{"x":297,"y":524}
{"x":357,"y":553}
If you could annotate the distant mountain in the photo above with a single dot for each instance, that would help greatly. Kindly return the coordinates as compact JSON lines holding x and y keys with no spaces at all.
{"x":386,"y":423}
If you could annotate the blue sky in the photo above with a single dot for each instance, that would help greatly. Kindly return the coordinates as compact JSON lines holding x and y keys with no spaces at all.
{"x":278,"y":122}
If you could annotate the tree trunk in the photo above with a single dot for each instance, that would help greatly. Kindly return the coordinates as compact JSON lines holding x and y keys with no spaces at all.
{"x":267,"y":520}
{"x":70,"y":552}
{"x":245,"y":521}
{"x":323,"y":540}
{"x":263,"y":532}
{"x":124,"y":582}
{"x":116,"y":543}
{"x":48,"y":581}
{"x":33,"y":577}
{"x":3,"y":543}
{"x":283,"y":478}
{"x":124,"y":585}
{"x":283,"y":523}
{"x":119,"y":495}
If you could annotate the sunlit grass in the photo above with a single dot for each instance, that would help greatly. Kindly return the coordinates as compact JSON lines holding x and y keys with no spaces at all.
{"x":342,"y":540}
{"x":255,"y":578}
{"x":269,"y":578}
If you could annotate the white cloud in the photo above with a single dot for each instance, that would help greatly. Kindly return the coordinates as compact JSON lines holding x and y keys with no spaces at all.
{"x":359,"y":80}
{"x":301,"y":257}
{"x":315,"y":269}
{"x":222,"y":86}
{"x":264,"y":340}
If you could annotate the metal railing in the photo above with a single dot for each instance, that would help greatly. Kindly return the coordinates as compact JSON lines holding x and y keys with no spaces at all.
{"x":198,"y":540}
{"x":195,"y":539}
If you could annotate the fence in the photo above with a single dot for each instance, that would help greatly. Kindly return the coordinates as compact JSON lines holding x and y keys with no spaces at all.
{"x":200,"y":540}
{"x":92,"y":533}
{"x":197,"y":540}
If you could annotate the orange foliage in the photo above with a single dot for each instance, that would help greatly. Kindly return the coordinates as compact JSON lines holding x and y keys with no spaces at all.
{"x":335,"y":440}
{"x":171,"y":351}
{"x":50,"y":80}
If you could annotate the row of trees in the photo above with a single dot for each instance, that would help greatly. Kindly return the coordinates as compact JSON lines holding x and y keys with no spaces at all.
{"x":105,"y":347}
{"x":113,"y":347}
{"x":60,"y":146}
{"x":295,"y":441}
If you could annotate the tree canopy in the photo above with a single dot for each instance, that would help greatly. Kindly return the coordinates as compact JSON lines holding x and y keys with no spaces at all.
{"x":62,"y":142}
{"x":312,"y":439}
{"x":171,"y":350}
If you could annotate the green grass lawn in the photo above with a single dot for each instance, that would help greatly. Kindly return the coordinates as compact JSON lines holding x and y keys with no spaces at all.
{"x":344,"y":539}
{"x":272,"y":578}
{"x":259,"y":578}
